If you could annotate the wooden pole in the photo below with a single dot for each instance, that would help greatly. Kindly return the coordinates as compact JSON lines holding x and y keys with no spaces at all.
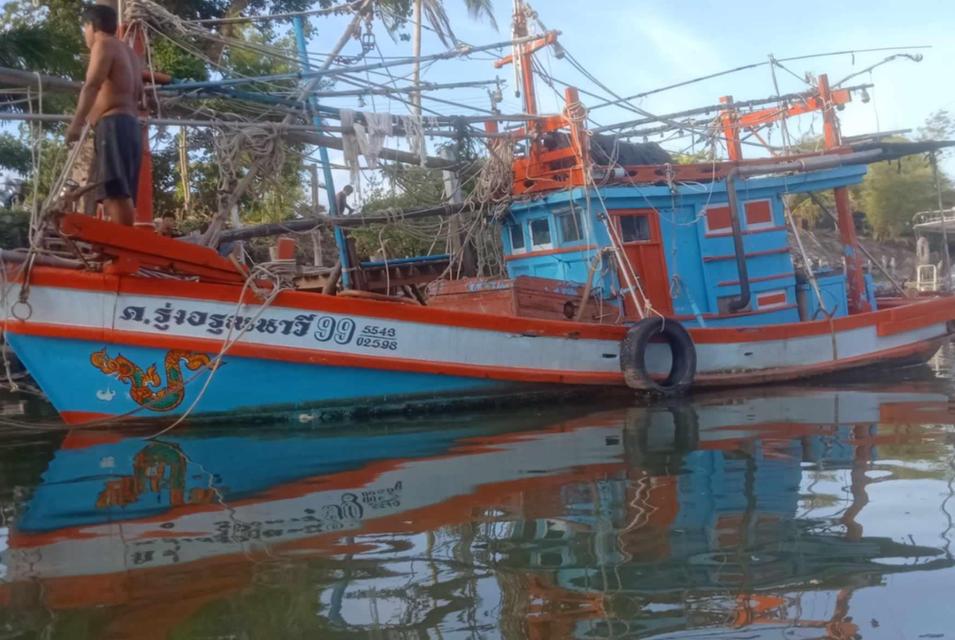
{"x":317,"y":257}
{"x":340,"y":238}
{"x":460,"y":250}
{"x":386,"y":154}
{"x":946,"y":257}
{"x":307,"y":224}
{"x":416,"y":52}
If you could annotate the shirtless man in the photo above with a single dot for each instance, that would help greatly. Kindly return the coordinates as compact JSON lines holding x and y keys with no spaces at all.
{"x":110,"y":101}
{"x":342,"y":207}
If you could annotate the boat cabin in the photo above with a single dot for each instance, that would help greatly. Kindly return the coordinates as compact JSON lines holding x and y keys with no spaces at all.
{"x":681,"y":246}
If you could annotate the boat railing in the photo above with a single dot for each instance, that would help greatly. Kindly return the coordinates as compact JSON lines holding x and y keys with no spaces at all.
{"x":926,"y":278}
{"x":933,"y":221}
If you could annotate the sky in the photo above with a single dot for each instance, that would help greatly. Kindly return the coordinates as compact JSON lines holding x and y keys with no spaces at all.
{"x":635,"y":45}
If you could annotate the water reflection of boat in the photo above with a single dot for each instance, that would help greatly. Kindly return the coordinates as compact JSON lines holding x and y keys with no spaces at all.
{"x":650,"y":519}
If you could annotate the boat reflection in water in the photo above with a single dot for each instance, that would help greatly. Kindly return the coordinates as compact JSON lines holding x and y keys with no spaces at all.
{"x":800,"y":512}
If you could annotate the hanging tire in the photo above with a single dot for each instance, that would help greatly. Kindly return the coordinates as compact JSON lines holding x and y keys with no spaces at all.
{"x":633,"y":351}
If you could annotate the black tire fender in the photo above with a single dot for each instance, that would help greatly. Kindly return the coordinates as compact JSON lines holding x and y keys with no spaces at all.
{"x":633,"y":351}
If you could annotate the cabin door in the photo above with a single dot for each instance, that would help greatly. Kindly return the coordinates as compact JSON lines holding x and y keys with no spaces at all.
{"x":639,"y":231}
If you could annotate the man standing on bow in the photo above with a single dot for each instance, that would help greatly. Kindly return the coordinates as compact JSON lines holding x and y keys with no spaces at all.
{"x":109,"y":102}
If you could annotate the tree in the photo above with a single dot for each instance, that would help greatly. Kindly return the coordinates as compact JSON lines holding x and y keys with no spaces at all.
{"x":938,"y":126}
{"x":47,"y":38}
{"x":438,"y":18}
{"x":893,"y":192}
{"x":402,"y":188}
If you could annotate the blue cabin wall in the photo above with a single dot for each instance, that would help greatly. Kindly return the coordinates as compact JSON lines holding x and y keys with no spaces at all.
{"x":697,"y":244}
{"x":566,"y":257}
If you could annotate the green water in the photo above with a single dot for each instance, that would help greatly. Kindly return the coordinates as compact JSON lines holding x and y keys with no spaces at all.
{"x":816,"y":511}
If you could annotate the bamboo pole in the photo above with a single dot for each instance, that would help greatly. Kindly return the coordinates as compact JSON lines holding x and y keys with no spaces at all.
{"x":303,"y":225}
{"x":416,"y":52}
{"x":306,"y":134}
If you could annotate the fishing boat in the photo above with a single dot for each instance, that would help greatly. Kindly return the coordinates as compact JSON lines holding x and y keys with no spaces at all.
{"x":585,"y":509}
{"x":624,"y":270}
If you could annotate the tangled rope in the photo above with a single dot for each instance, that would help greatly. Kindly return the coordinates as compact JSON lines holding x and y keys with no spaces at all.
{"x":492,"y":186}
{"x":160,"y":18}
{"x":260,"y":143}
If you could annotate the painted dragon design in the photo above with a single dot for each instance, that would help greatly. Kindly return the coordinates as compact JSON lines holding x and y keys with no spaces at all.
{"x":143,"y":384}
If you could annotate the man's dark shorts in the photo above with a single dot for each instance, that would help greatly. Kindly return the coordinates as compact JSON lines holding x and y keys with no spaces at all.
{"x":119,"y":148}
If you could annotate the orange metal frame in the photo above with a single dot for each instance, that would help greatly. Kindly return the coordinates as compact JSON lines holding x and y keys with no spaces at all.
{"x":540,"y":170}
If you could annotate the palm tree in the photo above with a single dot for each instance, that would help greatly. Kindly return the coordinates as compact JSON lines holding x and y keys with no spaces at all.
{"x":438,"y":18}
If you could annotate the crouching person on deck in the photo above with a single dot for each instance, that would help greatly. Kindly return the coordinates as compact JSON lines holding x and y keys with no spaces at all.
{"x":109,"y":101}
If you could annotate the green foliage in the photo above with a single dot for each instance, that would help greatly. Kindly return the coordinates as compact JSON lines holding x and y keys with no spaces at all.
{"x":938,"y":126}
{"x":30,"y":47}
{"x":405,"y":188}
{"x":14,"y":228}
{"x":695,"y":157}
{"x":436,"y":15}
{"x":47,"y":37}
{"x":893,"y":192}
{"x":807,"y":212}
{"x":14,"y":154}
{"x":408,"y":187}
{"x":250,"y":63}
{"x":43,"y":37}
{"x":180,"y":64}
{"x":53,"y":153}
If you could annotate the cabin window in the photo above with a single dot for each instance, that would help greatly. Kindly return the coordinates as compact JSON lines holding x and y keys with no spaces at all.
{"x":718,"y":219}
{"x":570,"y":228}
{"x":516,"y":234}
{"x":540,"y":234}
{"x":635,"y":228}
{"x":759,"y":214}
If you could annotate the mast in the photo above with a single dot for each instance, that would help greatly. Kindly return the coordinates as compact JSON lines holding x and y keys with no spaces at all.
{"x":340,"y":240}
{"x":524,"y":58}
{"x":144,"y":189}
{"x":857,"y":300}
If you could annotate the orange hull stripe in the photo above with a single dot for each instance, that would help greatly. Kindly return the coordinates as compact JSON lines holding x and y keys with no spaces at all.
{"x":326,"y":358}
{"x":889,"y":320}
{"x":317,"y":302}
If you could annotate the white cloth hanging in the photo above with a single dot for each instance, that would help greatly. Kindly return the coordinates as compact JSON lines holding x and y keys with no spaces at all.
{"x":415,"y":133}
{"x":350,"y":147}
{"x":371,"y":136}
